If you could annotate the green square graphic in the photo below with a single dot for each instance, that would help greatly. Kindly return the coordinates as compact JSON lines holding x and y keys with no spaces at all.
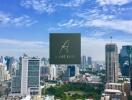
{"x":65,"y":48}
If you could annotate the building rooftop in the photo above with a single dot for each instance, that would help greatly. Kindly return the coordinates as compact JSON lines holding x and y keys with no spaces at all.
{"x":114,"y":83}
{"x":112,"y":91}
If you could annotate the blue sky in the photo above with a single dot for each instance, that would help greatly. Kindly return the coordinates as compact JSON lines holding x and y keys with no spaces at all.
{"x":25,"y":24}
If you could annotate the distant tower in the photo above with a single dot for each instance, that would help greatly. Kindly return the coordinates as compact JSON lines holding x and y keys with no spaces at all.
{"x":53,"y":72}
{"x":89,"y":60}
{"x":124,"y":60}
{"x":83,"y":62}
{"x":1,"y":59}
{"x":72,"y":71}
{"x":111,"y":59}
{"x":9,"y":63}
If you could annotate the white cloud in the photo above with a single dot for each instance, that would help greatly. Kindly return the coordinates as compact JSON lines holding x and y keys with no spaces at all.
{"x":99,"y":34}
{"x":104,"y":23}
{"x":49,"y":6}
{"x":71,"y":23}
{"x":51,"y":29}
{"x":113,"y":2}
{"x":85,"y":19}
{"x":7,"y":19}
{"x":23,"y":43}
{"x":17,"y":47}
{"x":73,"y":3}
{"x":121,"y":25}
{"x":94,"y":14}
{"x":40,"y":6}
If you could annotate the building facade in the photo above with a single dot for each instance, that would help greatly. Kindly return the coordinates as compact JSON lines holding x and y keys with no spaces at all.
{"x":89,"y":60}
{"x":111,"y":59}
{"x":27,"y":78}
{"x":124,"y":60}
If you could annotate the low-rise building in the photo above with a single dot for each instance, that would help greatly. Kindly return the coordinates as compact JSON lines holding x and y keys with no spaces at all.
{"x":114,"y":91}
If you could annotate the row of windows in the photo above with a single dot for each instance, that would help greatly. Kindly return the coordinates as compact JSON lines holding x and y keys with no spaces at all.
{"x":33,"y":81}
{"x":33,"y":73}
{"x":33,"y":67}
{"x":114,"y":87}
{"x":33,"y":63}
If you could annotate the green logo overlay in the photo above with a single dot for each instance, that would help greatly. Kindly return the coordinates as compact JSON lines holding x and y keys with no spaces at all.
{"x":65,"y":48}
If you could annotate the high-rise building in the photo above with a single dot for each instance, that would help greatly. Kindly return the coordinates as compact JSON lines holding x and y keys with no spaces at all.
{"x":72,"y":71}
{"x":53,"y":72}
{"x":30,"y":77}
{"x":9,"y":63}
{"x":1,"y":72}
{"x":27,"y":78}
{"x":84,"y":60}
{"x":4,"y":74}
{"x":111,"y":59}
{"x":16,"y":81}
{"x":84,"y":63}
{"x":48,"y":72}
{"x":124,"y":60}
{"x":1,"y":59}
{"x":89,"y":60}
{"x":45,"y":72}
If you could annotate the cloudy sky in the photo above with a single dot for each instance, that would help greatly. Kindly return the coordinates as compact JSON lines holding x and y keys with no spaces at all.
{"x":25,"y":24}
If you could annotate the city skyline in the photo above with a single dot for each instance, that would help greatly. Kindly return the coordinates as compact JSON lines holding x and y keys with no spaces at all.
{"x":25,"y":25}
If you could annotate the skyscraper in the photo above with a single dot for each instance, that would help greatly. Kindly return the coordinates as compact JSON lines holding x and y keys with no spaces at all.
{"x":89,"y":60}
{"x":129,"y":51}
{"x":72,"y":71}
{"x":9,"y":63}
{"x":30,"y":77}
{"x":1,"y":72}
{"x":27,"y":79}
{"x":53,"y":72}
{"x":83,"y":63}
{"x":124,"y":60}
{"x":4,"y":74}
{"x":1,"y":59}
{"x":111,"y":59}
{"x":44,"y":72}
{"x":84,"y":60}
